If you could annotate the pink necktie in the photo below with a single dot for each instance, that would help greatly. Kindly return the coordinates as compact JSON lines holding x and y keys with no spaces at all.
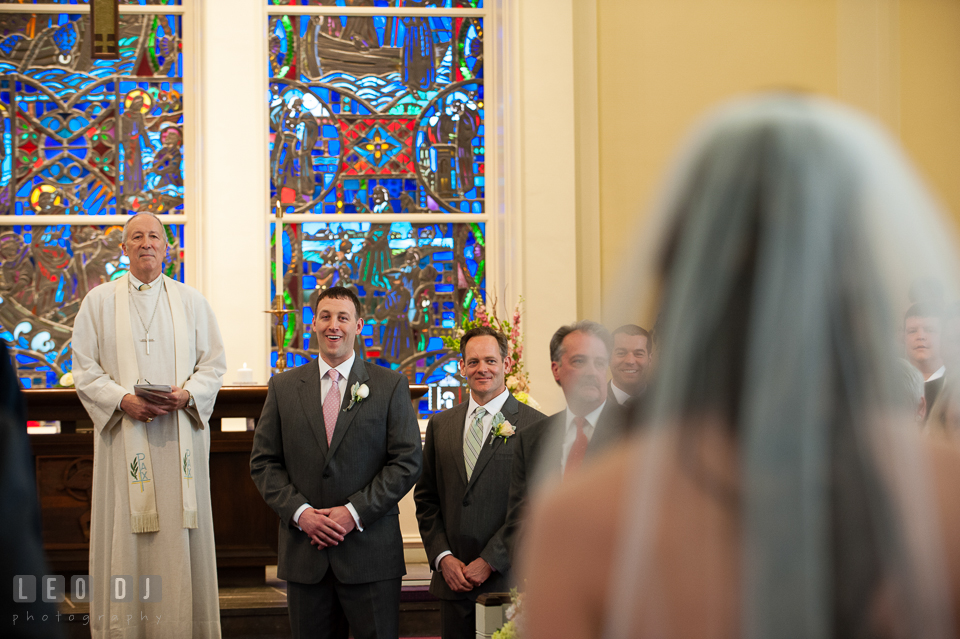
{"x":331,"y":405}
{"x":575,"y":458}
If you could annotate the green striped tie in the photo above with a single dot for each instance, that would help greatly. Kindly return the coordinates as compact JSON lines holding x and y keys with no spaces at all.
{"x":474,"y":441}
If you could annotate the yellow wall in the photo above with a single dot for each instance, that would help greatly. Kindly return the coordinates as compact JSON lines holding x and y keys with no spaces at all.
{"x":930,"y":93}
{"x":663,"y":63}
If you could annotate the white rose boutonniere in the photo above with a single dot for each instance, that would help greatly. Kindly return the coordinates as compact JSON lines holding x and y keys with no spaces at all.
{"x":501,"y":428}
{"x":358,"y":393}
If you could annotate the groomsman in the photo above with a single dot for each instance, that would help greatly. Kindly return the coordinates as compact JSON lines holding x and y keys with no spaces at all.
{"x":462,"y":494}
{"x":629,"y":363}
{"x":555,"y":447}
{"x":922,"y":326}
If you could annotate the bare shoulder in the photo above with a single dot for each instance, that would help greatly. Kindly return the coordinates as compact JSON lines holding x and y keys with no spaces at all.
{"x":574,"y":533}
{"x":594,"y":492}
{"x":944,"y":459}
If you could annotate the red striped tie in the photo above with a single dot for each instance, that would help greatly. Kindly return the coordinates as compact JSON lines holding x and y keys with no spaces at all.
{"x":575,"y":458}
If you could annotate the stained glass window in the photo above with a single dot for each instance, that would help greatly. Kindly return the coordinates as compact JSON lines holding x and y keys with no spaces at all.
{"x":396,"y":100}
{"x":45,"y":272}
{"x":416,"y":282}
{"x":377,"y":149}
{"x":442,"y":4}
{"x":80,"y":137}
{"x":79,"y":2}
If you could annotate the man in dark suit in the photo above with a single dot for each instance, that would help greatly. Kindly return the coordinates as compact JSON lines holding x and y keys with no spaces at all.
{"x":555,"y":447}
{"x":629,"y":364}
{"x":462,"y":495}
{"x":340,"y":434}
{"x":21,"y":543}
{"x":922,"y":326}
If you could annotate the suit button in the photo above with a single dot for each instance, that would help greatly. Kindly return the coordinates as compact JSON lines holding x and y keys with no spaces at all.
{"x":466,"y":502}
{"x":326,"y":475}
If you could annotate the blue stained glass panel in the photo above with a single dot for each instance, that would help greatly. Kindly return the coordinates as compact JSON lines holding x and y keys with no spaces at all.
{"x":434,"y":4}
{"x":410,"y":297}
{"x":90,"y":137}
{"x":377,"y":114}
{"x":80,"y":137}
{"x":79,"y":2}
{"x":45,"y":272}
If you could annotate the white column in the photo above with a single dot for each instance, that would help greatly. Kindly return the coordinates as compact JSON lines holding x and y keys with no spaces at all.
{"x":233,"y":177}
{"x":586,"y":92}
{"x":548,"y":193}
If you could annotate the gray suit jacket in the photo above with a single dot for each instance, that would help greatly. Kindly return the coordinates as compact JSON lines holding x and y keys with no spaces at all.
{"x":467,"y":518}
{"x":372,"y":461}
{"x":538,"y":453}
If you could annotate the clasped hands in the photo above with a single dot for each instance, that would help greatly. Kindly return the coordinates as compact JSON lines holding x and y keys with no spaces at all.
{"x":145,"y":408}
{"x":464,"y":577}
{"x":326,"y":526}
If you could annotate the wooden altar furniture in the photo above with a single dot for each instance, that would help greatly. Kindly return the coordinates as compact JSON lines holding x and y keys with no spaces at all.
{"x":245,"y":528}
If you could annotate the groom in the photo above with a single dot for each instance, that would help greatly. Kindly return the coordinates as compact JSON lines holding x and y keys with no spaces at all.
{"x":336,"y":448}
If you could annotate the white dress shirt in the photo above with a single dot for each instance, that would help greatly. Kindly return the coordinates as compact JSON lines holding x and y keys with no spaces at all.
{"x":325,"y":385}
{"x":937,"y":374}
{"x":570,"y":434}
{"x":619,"y":395}
{"x":492,"y":407}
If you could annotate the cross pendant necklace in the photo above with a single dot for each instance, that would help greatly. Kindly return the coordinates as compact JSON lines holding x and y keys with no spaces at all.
{"x":146,"y":327}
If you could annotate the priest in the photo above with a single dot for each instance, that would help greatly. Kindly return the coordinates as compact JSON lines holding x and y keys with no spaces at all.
{"x":151,"y":483}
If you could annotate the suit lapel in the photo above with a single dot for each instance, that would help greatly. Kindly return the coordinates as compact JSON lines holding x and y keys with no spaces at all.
{"x":510,"y":409}
{"x":608,"y":425}
{"x":310,"y":400}
{"x":358,"y":373}
{"x":453,"y":438}
{"x":551,"y":442}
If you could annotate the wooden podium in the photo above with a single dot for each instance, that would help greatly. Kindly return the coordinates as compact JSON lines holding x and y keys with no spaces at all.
{"x":245,"y":528}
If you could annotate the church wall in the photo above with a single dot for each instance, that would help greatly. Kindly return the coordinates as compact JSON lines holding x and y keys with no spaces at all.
{"x":930,"y":94}
{"x":548,"y":192}
{"x":661,"y":65}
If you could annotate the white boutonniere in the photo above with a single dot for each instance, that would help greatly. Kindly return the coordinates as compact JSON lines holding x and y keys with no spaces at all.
{"x":358,"y":393}
{"x":501,"y":428}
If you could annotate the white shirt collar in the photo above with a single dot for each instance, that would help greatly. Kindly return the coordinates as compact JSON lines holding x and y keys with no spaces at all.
{"x":937,"y":374}
{"x":619,"y":395}
{"x":343,"y":369}
{"x":137,"y":283}
{"x":590,"y":417}
{"x":492,"y":407}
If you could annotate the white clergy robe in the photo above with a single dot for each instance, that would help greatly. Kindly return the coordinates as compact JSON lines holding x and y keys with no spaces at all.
{"x":184,"y":558}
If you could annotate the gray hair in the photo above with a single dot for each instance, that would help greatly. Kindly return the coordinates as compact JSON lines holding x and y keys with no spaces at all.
{"x":135,"y":216}
{"x":912,"y":382}
{"x":583,"y":326}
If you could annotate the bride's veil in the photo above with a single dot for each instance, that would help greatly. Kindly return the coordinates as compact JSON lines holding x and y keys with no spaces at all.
{"x":779,"y":260}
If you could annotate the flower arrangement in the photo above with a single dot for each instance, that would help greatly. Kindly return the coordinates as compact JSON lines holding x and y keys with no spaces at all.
{"x":517,"y":380}
{"x":511,"y":629}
